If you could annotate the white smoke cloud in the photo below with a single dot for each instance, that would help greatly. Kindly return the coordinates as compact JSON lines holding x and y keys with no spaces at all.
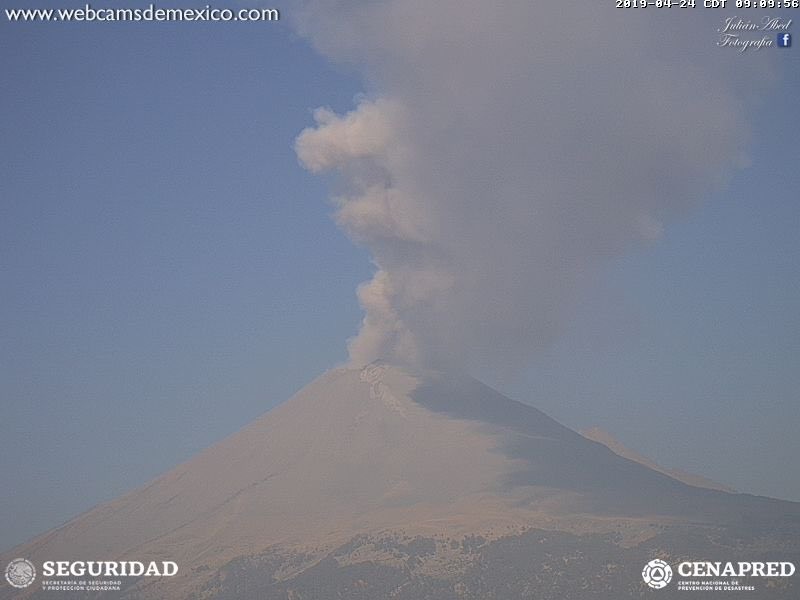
{"x":505,"y":150}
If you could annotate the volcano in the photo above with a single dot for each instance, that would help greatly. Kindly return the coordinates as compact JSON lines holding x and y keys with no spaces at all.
{"x":382,"y":483}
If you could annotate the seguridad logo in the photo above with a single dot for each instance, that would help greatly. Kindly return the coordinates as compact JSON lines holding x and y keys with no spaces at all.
{"x":20,"y":573}
{"x":108,"y":568}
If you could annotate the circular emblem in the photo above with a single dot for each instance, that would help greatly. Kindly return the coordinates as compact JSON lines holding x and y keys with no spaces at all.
{"x":657,"y":574}
{"x":20,"y":573}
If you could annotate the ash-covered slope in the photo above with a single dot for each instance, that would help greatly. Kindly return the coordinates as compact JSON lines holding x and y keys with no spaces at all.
{"x":598,"y":435}
{"x":378,"y":451}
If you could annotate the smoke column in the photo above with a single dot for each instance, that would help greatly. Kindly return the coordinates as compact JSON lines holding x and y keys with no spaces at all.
{"x":503,"y":151}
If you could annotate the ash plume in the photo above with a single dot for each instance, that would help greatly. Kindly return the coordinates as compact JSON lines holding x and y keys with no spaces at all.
{"x":503,"y":151}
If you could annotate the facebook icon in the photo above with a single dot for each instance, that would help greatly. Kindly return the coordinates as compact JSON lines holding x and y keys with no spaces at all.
{"x":785,"y":40}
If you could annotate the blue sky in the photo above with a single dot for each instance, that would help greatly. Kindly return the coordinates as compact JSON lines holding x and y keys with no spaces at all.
{"x":169,"y":272}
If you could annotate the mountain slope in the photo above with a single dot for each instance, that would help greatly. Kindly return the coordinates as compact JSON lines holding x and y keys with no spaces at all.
{"x":603,"y":437}
{"x":377,"y":451}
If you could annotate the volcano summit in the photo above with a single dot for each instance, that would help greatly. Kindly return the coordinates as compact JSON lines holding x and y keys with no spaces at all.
{"x":379,"y":483}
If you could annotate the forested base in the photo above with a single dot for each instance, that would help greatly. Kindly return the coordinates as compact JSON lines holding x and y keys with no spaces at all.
{"x":536,"y":564}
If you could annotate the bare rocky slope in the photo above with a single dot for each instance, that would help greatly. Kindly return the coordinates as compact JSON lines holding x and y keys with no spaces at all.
{"x":598,"y":435}
{"x":375,"y":483}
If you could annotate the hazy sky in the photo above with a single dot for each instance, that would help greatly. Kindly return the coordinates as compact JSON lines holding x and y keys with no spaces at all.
{"x":169,"y":270}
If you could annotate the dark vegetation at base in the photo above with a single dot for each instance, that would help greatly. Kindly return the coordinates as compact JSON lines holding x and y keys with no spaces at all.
{"x":541,"y":565}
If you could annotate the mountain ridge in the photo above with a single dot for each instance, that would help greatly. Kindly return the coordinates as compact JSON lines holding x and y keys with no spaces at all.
{"x":603,"y":437}
{"x":380,"y":451}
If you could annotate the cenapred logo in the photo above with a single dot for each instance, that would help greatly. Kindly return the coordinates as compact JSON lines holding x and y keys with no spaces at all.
{"x":20,"y":573}
{"x":657,"y":574}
